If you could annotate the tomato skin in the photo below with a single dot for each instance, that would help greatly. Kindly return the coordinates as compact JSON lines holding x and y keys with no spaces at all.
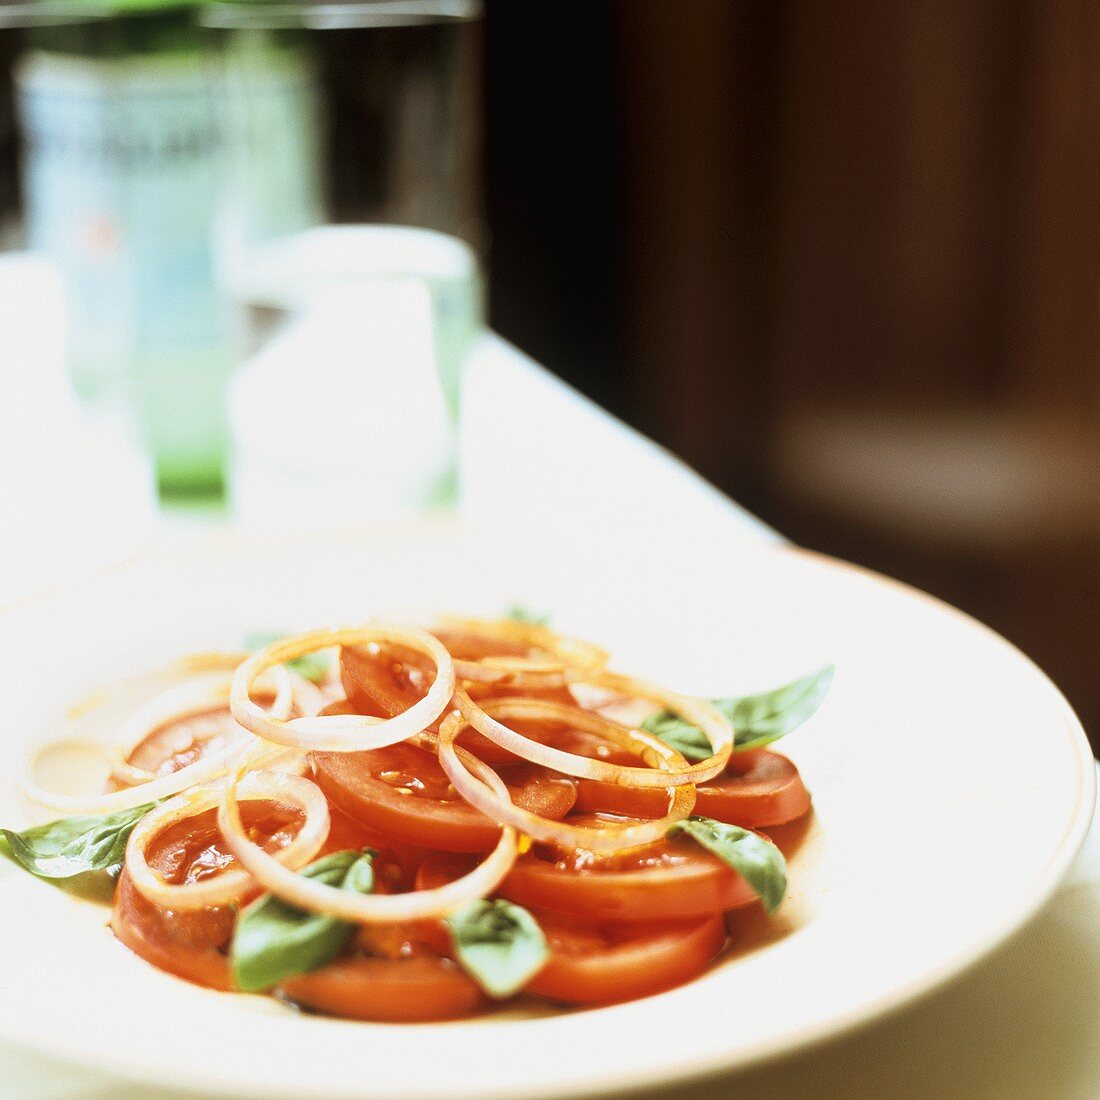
{"x":352,"y":782}
{"x":443,"y":867}
{"x":384,"y":681}
{"x":417,"y":989}
{"x":189,"y":945}
{"x":644,"y":961}
{"x":671,"y":880}
{"x":378,"y":683}
{"x":193,"y":850}
{"x":593,"y":964}
{"x":183,"y":740}
{"x":758,"y":788}
{"x":192,"y":944}
{"x":174,"y":745}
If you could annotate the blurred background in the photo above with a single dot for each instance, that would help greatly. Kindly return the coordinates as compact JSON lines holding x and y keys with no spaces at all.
{"x":839,"y":256}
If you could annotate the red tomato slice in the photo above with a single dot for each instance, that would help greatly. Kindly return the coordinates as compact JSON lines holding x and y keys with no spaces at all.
{"x":608,"y":964}
{"x":193,"y":850}
{"x":403,"y":792}
{"x":359,"y":987}
{"x":184,"y":740}
{"x":384,"y":681}
{"x":397,"y":973}
{"x":191,"y":944}
{"x":396,"y":863}
{"x":443,"y":867}
{"x":669,"y":880}
{"x":604,"y":963}
{"x":758,"y":788}
{"x":176,"y":744}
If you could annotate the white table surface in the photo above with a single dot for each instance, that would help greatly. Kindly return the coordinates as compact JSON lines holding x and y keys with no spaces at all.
{"x":1023,"y":1025}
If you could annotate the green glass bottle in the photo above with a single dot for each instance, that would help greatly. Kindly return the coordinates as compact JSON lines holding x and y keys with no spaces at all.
{"x":118,"y":108}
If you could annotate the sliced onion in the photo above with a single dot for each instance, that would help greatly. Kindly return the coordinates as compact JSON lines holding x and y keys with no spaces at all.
{"x":341,"y":732}
{"x":169,"y":704}
{"x":66,"y":746}
{"x":193,"y":664}
{"x":716,"y":727}
{"x":227,"y":887}
{"x":197,"y":696}
{"x":365,"y":908}
{"x":567,"y":658}
{"x":697,"y":711}
{"x":472,"y":778}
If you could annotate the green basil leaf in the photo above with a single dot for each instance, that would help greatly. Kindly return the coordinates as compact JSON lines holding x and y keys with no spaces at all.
{"x":763,"y":718}
{"x":688,"y":740}
{"x":75,"y":845}
{"x":274,"y":940}
{"x":312,"y":666}
{"x":753,"y":857}
{"x":757,"y":719}
{"x":519,"y":614}
{"x":500,"y":945}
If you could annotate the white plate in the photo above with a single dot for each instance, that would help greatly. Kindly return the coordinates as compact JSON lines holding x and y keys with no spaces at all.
{"x":951,"y":781}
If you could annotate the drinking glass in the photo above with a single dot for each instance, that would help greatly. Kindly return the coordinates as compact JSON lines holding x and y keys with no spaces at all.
{"x":349,"y":241}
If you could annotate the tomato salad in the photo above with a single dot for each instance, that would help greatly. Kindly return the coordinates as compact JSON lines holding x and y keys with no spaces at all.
{"x":401,"y":824}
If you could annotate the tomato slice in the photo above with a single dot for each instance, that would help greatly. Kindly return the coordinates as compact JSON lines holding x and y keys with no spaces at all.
{"x":668,"y":880}
{"x":193,"y":850}
{"x":604,"y":963}
{"x":403,"y":792}
{"x":385,"y":680}
{"x":395,"y":973}
{"x":191,"y":945}
{"x":393,"y":677}
{"x":395,"y":864}
{"x":443,"y":867}
{"x":360,"y":987}
{"x":758,"y":788}
{"x":621,"y":963}
{"x":182,"y":741}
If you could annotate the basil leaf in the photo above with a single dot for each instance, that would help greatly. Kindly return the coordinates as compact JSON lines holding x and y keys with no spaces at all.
{"x":688,"y":740}
{"x":520,"y":614}
{"x":500,"y":945}
{"x":753,"y":857}
{"x":274,"y":940}
{"x":312,"y":666}
{"x":761,"y":719}
{"x":757,"y":719}
{"x":75,"y":845}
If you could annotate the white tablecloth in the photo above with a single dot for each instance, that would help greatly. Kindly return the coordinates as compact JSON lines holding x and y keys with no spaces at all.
{"x":1024,"y":1024}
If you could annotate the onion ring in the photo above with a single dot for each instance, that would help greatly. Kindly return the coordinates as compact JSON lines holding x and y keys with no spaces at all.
{"x":203,"y":770}
{"x":569,"y":658}
{"x":315,"y":896}
{"x":227,"y":887}
{"x":342,"y":732}
{"x":196,"y":697}
{"x":472,"y":783}
{"x":716,"y":727}
{"x":194,"y":664}
{"x":697,"y":711}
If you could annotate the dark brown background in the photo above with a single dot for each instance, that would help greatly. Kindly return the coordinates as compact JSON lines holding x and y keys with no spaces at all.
{"x":840,"y":256}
